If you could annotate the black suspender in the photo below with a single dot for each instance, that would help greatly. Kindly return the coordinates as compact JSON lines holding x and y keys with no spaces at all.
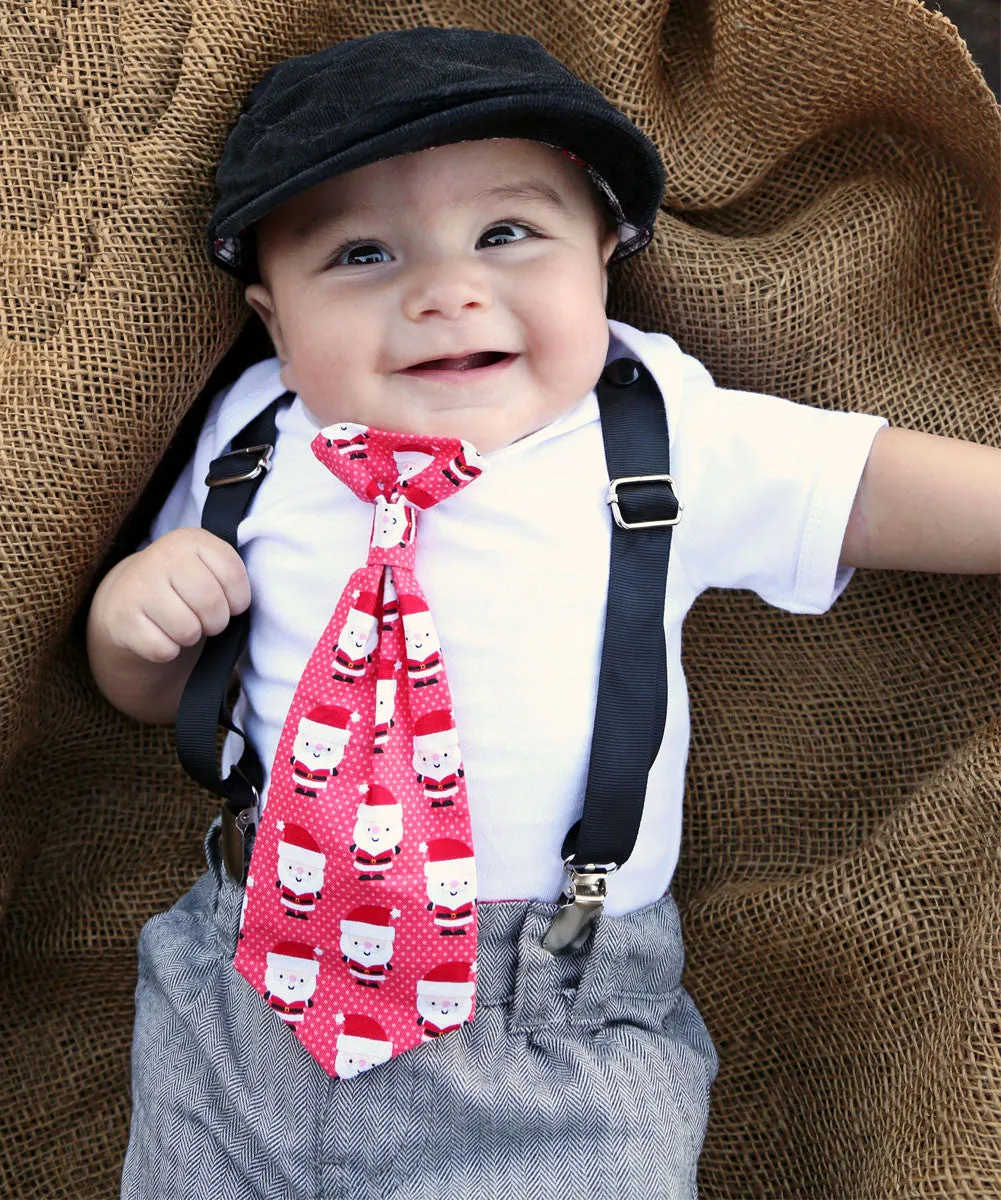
{"x":632,"y":683}
{"x":233,"y":481}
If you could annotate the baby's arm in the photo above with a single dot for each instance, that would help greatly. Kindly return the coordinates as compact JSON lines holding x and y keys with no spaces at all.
{"x":151,"y":613}
{"x":927,"y":503}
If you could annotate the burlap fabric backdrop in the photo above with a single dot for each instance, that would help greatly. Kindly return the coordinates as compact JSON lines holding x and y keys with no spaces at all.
{"x":830,"y":234}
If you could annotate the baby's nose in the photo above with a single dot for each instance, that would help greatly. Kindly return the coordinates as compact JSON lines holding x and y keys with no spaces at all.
{"x":447,"y":288}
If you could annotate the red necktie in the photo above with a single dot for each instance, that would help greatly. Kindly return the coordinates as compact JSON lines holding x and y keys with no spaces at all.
{"x":359,"y":925}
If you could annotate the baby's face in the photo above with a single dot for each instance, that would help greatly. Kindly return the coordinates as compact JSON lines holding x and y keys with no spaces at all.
{"x":454,"y":292}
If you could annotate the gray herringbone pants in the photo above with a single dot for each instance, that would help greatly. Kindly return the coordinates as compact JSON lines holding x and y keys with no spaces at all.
{"x":581,"y":1077}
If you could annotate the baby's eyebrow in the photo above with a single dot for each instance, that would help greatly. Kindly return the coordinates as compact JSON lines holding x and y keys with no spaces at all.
{"x":526,"y":189}
{"x":328,"y":218}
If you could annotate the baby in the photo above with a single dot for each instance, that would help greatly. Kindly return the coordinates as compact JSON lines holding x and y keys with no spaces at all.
{"x":423,"y":221}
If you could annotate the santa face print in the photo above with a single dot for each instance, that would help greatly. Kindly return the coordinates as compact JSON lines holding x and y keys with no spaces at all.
{"x":393,"y":524}
{"x":437,"y":756}
{"x":314,"y":751}
{"x":451,"y":885}
{"x":444,"y":1012}
{"x":421,"y":636}
{"x":445,"y":998}
{"x":355,"y":645}
{"x":423,"y":647}
{"x":368,"y":952}
{"x":299,"y":877}
{"x":317,"y":755}
{"x":410,"y":463}
{"x":351,"y":1062}
{"x":290,"y":988}
{"x":376,"y":833}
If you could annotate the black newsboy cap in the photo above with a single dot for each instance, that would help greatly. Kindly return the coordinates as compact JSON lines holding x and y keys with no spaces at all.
{"x":372,"y":98}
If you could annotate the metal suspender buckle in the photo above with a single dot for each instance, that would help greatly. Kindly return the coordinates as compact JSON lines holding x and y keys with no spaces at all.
{"x":237,"y":466}
{"x":233,"y":837}
{"x":674,"y":505}
{"x":580,"y":906}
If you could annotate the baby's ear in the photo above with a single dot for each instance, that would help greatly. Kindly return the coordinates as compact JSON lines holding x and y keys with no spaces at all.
{"x":262,"y":302}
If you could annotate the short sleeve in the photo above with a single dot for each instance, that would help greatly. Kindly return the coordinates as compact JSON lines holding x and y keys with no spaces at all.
{"x":768,"y":486}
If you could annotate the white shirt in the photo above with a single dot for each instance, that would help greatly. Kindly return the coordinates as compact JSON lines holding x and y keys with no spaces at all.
{"x":515,"y":569}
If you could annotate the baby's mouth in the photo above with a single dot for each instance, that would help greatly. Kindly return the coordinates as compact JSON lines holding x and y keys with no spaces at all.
{"x":465,"y":362}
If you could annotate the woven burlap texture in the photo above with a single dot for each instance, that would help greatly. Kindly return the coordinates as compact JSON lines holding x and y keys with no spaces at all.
{"x":830,"y":233}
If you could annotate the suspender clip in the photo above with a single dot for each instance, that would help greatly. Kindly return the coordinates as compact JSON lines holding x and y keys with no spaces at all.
{"x":233,"y":837}
{"x":581,"y":905}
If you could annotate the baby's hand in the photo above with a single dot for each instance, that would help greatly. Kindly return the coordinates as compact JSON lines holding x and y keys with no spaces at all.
{"x":184,"y":586}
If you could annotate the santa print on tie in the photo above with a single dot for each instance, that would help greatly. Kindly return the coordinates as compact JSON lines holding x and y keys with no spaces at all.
{"x":366,"y":944}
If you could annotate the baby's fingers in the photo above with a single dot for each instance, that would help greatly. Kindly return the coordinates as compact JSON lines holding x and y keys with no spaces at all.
{"x":145,"y":638}
{"x":198,"y":602}
{"x":228,"y":569}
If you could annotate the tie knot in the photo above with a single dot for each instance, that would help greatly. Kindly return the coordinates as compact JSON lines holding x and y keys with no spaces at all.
{"x":373,"y":463}
{"x":398,"y":473}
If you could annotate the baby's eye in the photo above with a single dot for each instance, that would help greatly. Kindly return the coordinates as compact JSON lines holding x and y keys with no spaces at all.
{"x":361,"y":254}
{"x":502,"y":234}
